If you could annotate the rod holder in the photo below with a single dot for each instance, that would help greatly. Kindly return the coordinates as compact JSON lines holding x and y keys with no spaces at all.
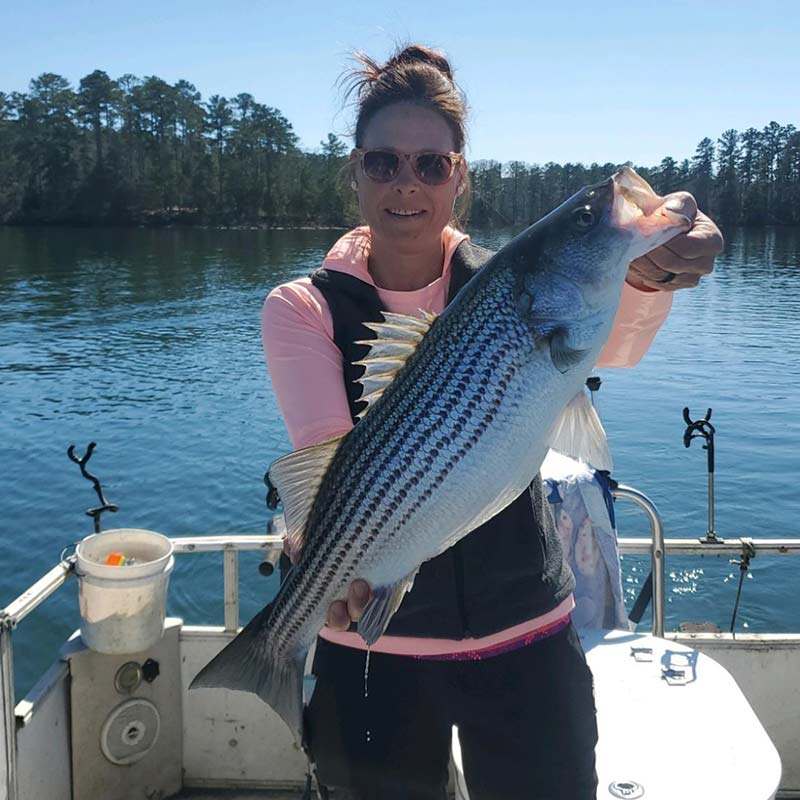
{"x":94,"y":513}
{"x":703,"y":429}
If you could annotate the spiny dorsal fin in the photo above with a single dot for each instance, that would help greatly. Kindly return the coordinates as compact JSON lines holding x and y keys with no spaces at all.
{"x":397,"y":338}
{"x":297,"y":477}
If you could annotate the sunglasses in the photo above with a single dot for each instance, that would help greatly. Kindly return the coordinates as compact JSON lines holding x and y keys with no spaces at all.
{"x":383,"y":166}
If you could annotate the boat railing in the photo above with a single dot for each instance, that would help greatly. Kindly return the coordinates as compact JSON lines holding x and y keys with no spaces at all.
{"x":655,"y":544}
{"x":271,"y":546}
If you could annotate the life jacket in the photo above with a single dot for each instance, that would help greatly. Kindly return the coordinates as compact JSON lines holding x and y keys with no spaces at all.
{"x":507,"y":571}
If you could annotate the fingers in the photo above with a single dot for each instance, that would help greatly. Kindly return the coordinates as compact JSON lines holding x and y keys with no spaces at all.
{"x":357,"y":598}
{"x":682,"y":203}
{"x":647,"y":275}
{"x":704,"y":239}
{"x":666,"y":260}
{"x":342,"y":612}
{"x":682,"y":261}
{"x":338,"y":619}
{"x":651,"y":270}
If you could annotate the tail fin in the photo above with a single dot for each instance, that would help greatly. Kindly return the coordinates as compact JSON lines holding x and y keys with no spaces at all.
{"x":248,"y":664}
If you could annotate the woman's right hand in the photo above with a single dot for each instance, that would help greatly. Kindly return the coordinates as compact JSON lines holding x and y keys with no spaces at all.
{"x":341,"y":612}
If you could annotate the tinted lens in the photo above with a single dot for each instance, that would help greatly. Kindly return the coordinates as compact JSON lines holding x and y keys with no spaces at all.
{"x":381,"y":165}
{"x":434,"y":168}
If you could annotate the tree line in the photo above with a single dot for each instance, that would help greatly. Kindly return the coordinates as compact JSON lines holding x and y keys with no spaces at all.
{"x":139,"y":150}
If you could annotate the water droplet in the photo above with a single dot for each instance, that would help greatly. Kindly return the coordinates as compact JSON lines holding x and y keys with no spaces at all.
{"x":369,"y":736}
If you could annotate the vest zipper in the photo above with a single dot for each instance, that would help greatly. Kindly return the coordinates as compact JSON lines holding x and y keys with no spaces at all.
{"x":458,"y":569}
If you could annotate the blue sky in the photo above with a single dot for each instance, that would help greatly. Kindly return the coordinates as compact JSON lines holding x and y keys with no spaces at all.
{"x":557,"y":81}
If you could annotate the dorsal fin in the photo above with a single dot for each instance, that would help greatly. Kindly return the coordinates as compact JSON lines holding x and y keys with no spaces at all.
{"x":297,"y":477}
{"x":397,"y":338}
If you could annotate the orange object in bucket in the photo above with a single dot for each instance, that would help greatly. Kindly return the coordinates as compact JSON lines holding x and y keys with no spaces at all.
{"x":115,"y":560}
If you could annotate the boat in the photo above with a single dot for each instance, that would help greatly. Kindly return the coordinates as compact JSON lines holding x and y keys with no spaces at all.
{"x":682,"y":714}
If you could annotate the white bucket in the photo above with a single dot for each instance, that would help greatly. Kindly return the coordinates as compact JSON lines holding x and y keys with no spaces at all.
{"x":123,"y":608}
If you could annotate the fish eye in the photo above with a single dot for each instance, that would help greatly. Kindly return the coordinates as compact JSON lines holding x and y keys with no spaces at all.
{"x":584,"y":217}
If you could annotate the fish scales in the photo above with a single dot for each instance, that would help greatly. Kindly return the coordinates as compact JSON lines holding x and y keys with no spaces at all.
{"x":423,"y":395}
{"x":458,"y":433}
{"x":449,"y":369}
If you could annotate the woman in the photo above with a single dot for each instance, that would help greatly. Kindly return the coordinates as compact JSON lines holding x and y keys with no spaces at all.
{"x":484,"y":640}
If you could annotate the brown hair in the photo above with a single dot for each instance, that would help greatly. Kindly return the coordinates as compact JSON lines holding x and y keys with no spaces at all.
{"x":414,"y":74}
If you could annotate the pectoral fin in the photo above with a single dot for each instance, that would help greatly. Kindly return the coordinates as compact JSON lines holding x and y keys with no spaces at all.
{"x":579,"y":434}
{"x":564,"y":355}
{"x":297,"y":477}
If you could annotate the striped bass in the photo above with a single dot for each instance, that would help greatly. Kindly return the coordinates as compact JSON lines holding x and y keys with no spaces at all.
{"x":462,"y":410}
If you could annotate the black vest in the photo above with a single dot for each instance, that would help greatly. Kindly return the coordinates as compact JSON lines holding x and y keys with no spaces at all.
{"x":505,"y":572}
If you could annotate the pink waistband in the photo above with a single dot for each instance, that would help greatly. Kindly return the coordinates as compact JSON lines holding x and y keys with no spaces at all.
{"x":458,"y":649}
{"x":505,"y":647}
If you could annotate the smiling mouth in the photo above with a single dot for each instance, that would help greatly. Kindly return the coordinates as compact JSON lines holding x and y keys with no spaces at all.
{"x":400,"y":212}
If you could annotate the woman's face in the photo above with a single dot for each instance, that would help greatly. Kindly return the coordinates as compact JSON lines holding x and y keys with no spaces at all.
{"x":407,"y":128}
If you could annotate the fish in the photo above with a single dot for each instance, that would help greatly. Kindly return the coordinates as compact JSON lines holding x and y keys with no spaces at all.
{"x":461,"y":410}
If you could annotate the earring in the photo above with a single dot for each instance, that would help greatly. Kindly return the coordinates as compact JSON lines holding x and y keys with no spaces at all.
{"x":354,"y":186}
{"x":460,"y":189}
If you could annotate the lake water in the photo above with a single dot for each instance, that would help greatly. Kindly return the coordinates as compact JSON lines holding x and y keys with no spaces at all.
{"x":147,"y":342}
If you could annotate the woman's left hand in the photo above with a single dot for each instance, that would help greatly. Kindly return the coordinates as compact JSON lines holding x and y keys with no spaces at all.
{"x":681,"y":262}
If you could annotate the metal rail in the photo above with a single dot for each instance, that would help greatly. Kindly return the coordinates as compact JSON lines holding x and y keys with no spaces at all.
{"x":656,"y":547}
{"x":271,"y":545}
{"x":36,"y":594}
{"x":8,"y":724}
{"x":227,"y":541}
{"x":731,"y":546}
{"x":230,"y":584}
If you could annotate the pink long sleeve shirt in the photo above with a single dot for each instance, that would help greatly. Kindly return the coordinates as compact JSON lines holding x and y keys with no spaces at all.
{"x":305,"y":366}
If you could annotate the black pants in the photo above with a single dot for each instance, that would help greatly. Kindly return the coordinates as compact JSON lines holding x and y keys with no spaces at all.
{"x":526,"y":723}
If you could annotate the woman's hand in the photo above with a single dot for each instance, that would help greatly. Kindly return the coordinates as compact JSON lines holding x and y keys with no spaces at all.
{"x":681,"y":262}
{"x":341,"y":613}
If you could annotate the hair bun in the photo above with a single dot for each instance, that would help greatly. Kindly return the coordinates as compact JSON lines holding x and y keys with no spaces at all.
{"x":415,"y":74}
{"x":370,"y":71}
{"x":419,"y":54}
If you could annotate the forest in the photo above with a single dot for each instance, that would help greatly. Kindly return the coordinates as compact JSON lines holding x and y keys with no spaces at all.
{"x":141,"y":151}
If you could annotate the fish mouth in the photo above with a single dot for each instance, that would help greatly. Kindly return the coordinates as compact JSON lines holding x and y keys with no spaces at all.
{"x":651,"y":218}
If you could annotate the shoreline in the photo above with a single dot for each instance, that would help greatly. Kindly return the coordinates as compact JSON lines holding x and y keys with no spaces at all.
{"x":252,"y":226}
{"x":243,"y":226}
